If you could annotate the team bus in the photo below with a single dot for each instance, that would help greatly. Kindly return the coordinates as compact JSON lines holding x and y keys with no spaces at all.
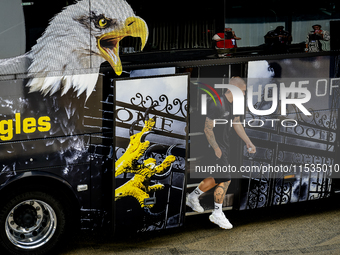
{"x":103,"y":105}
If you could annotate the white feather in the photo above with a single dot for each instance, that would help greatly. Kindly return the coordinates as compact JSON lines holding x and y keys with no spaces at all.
{"x":36,"y":84}
{"x":67,"y":84}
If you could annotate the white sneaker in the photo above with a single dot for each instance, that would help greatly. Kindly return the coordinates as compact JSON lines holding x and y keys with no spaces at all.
{"x":194,"y":204}
{"x":220,"y":220}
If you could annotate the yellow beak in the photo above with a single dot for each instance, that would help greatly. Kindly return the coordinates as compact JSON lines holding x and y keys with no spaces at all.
{"x":108,"y":43}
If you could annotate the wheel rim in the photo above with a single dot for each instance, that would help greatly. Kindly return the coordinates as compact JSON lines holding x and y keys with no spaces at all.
{"x":31,"y":224}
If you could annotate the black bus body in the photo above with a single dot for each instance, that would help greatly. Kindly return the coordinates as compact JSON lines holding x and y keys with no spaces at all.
{"x":122,"y":152}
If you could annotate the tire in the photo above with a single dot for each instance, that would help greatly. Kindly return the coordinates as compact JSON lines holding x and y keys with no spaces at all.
{"x":33,"y":223}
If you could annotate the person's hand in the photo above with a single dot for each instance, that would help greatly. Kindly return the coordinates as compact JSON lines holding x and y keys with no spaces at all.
{"x":218,"y":152}
{"x":251,"y":147}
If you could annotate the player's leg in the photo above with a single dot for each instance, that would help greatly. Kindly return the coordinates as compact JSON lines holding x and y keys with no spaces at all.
{"x":193,"y":198}
{"x":218,"y":216}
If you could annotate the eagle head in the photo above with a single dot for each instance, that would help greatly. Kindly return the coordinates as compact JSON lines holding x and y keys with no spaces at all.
{"x":76,"y":42}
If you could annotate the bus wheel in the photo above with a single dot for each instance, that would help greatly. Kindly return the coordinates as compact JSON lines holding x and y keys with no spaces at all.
{"x":32,"y":223}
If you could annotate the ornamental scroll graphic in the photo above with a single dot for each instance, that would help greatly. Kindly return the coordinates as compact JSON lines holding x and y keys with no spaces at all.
{"x":311,"y":141}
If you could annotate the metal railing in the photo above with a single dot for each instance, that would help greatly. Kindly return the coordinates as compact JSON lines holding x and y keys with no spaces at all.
{"x":169,"y":36}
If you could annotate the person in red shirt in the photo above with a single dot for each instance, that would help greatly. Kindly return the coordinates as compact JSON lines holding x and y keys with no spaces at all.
{"x":226,"y":39}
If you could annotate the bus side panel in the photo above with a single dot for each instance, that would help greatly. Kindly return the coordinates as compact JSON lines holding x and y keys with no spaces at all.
{"x":150,"y":141}
{"x":53,"y":134}
{"x":294,"y":161}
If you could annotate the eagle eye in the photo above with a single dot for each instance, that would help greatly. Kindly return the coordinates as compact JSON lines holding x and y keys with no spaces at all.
{"x":102,"y":23}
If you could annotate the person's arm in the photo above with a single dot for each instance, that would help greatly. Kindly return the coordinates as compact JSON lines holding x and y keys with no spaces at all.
{"x":242,"y":134}
{"x":290,"y":38}
{"x":217,"y":38}
{"x":235,"y":37}
{"x":325,"y":35}
{"x":209,"y":133}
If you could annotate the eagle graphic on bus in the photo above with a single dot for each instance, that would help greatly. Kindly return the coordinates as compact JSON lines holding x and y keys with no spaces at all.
{"x":74,"y":45}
